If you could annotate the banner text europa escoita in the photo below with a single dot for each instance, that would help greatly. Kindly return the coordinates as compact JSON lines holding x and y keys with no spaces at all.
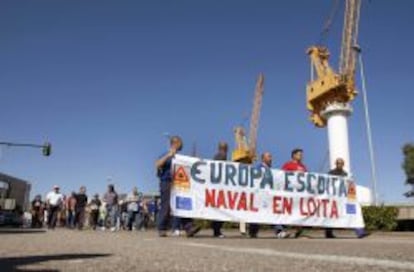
{"x":253,"y":193}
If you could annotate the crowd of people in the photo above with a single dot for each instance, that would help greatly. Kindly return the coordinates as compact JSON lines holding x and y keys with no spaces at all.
{"x":135,"y":212}
{"x":75,"y":210}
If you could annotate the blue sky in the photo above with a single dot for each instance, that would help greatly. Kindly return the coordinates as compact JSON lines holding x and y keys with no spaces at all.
{"x":104,"y":80}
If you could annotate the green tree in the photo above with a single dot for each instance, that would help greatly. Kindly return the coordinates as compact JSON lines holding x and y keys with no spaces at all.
{"x":408,"y":164}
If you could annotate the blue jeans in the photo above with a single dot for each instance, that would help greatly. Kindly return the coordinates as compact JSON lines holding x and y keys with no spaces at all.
{"x":279,"y":228}
{"x":176,"y":223}
{"x":112,"y":213}
{"x":70,"y":220}
{"x":132,"y":215}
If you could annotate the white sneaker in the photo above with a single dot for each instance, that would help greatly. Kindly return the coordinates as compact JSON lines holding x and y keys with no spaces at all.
{"x":113,"y":229}
{"x":282,"y":235}
{"x":176,"y":233}
{"x":103,"y":228}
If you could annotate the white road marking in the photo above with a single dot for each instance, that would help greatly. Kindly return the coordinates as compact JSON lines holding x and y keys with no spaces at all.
{"x":363,"y":261}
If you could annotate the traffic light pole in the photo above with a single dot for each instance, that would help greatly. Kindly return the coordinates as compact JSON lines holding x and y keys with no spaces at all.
{"x":47,"y":147}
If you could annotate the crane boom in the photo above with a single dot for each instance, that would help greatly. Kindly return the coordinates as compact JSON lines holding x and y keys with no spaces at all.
{"x":245,"y":150}
{"x":254,"y":119}
{"x":349,"y":37}
{"x":329,"y":86}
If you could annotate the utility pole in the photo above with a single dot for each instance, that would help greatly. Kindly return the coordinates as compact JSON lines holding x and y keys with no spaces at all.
{"x":368,"y":128}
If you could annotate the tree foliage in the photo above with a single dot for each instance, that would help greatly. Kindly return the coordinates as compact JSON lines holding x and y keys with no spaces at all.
{"x":408,"y":163}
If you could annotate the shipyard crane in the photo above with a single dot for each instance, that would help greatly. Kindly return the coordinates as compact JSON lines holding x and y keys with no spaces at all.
{"x":245,"y":150}
{"x":330,"y":93}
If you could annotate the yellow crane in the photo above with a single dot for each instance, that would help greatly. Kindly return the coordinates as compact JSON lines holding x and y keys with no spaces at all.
{"x":245,"y":150}
{"x":329,"y":86}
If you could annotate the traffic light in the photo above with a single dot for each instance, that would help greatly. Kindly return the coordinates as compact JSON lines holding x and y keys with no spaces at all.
{"x":47,"y":149}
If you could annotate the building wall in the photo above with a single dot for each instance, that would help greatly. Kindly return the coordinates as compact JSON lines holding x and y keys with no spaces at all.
{"x":18,"y":190}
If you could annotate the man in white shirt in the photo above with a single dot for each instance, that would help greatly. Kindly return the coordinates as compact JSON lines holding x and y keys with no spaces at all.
{"x":54,"y":201}
{"x":133,"y":201}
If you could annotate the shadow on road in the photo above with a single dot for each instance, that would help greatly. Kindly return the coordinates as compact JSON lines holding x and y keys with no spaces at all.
{"x":11,"y":264}
{"x":20,"y":231}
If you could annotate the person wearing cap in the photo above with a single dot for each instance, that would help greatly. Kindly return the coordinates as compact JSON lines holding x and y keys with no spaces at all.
{"x":54,"y":201}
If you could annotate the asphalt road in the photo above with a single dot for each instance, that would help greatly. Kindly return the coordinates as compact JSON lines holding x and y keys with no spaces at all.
{"x":65,"y":250}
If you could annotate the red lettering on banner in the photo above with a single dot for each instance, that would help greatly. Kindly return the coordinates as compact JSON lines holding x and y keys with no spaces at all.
{"x":221,"y":200}
{"x":210,"y":198}
{"x":230,"y":200}
{"x":334,"y":210}
{"x":318,"y":207}
{"x":252,"y":207}
{"x":242,"y":205}
{"x":276,"y":207}
{"x":232,"y":197}
{"x":287,"y":205}
{"x":311,"y":208}
{"x":282,"y":205}
{"x":301,"y":210}
{"x":325,"y":203}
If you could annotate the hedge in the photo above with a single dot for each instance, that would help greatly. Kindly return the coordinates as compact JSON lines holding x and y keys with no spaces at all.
{"x":382,"y":218}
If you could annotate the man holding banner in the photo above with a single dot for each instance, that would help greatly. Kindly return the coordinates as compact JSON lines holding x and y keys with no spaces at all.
{"x":265,"y":166}
{"x":220,"y":156}
{"x":165,"y":174}
{"x":294,"y":165}
{"x":339,"y":171}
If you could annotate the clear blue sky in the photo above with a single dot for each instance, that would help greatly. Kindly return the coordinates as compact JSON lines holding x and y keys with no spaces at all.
{"x":103,"y":80}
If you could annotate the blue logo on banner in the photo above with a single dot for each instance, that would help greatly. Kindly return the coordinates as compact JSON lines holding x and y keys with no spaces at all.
{"x":183,"y":203}
{"x":350,"y":209}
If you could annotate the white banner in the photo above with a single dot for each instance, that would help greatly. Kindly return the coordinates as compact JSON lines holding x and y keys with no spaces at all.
{"x":228,"y":191}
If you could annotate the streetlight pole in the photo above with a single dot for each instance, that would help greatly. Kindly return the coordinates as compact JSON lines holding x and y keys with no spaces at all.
{"x":368,"y":127}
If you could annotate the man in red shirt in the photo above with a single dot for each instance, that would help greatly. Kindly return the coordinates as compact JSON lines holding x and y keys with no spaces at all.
{"x":296,"y":165}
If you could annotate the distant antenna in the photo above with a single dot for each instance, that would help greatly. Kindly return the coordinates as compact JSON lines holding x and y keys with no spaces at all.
{"x":194,"y":149}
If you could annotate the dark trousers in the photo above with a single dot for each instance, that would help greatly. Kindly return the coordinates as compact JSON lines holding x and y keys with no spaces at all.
{"x":176,"y":223}
{"x":37,"y":219}
{"x":164,"y":212}
{"x":94,"y":216}
{"x":359,"y":232}
{"x":132,"y":219}
{"x":187,"y":224}
{"x":52,"y":216}
{"x":80,"y":217}
{"x":253,"y":229}
{"x":216,"y":226}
